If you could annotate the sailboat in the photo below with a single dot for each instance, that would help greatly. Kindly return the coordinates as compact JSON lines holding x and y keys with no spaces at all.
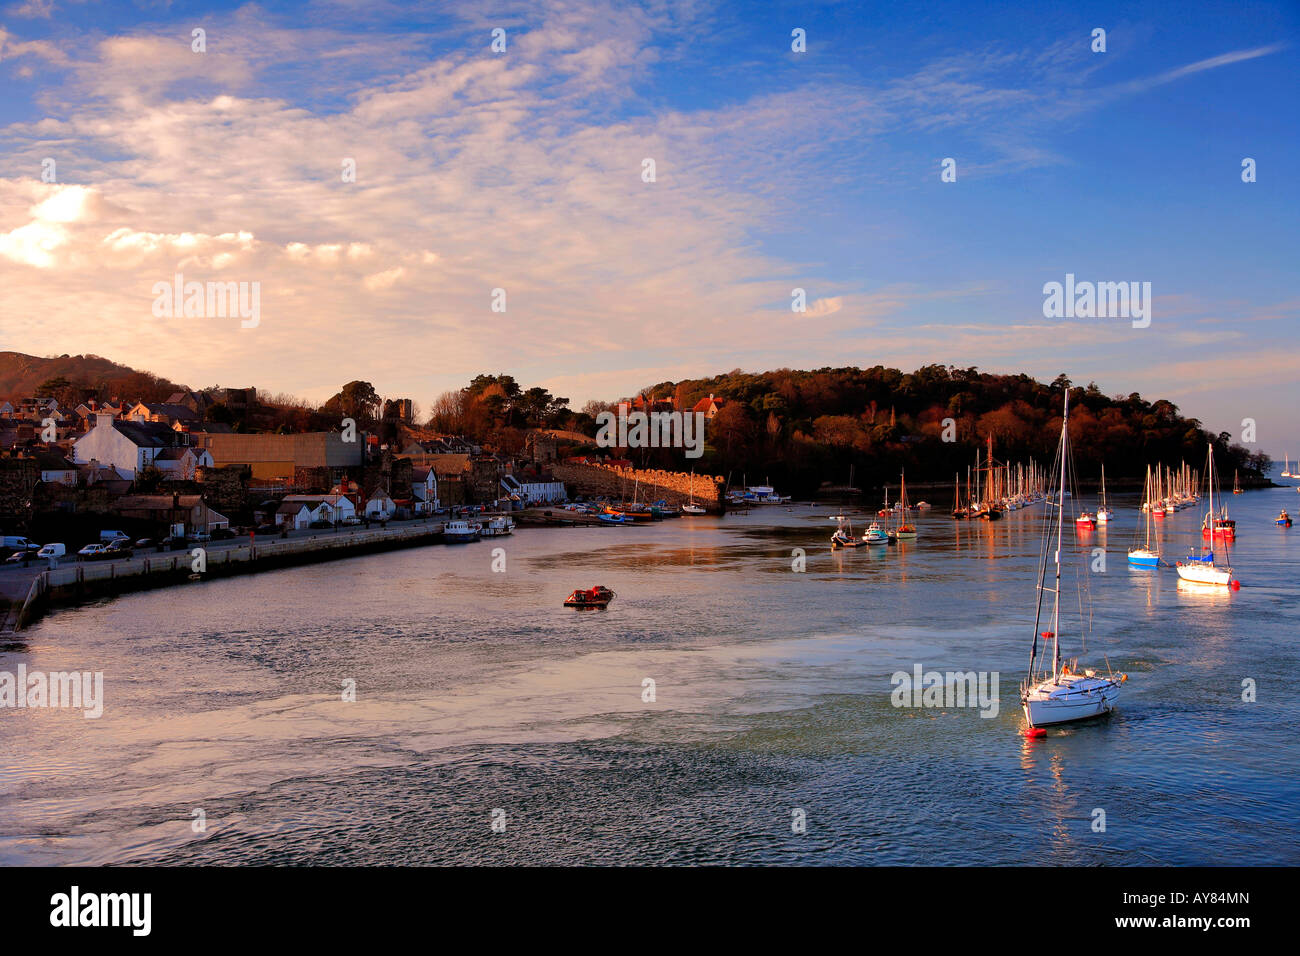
{"x":1201,"y":568}
{"x":843,"y":536}
{"x":1147,"y":556}
{"x":1236,"y":482}
{"x":958,"y":512}
{"x":1104,"y":514}
{"x":1286,"y":468}
{"x":691,"y":508}
{"x":1062,"y":694}
{"x":906,"y":530}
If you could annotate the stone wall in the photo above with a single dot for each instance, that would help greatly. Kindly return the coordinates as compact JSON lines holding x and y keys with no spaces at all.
{"x":18,"y":478}
{"x":676,"y":487}
{"x":226,"y":489}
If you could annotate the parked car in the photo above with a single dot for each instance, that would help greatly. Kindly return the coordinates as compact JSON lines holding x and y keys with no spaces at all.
{"x":92,"y":552}
{"x":145,"y":543}
{"x":266,"y":529}
{"x":351,"y":520}
{"x":175,"y":543}
{"x":202,"y":536}
{"x":21,"y":557}
{"x":222,"y":534}
{"x":52,"y":551}
{"x":119,"y":549}
{"x":320,"y":525}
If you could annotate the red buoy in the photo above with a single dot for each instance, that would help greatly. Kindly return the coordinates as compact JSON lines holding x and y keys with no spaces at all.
{"x":1236,"y":585}
{"x":1033,"y":733}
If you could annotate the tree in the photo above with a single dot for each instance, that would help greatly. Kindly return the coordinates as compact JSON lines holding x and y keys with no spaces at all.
{"x":357,"y":400}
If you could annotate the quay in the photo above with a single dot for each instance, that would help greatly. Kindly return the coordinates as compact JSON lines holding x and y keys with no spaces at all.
{"x":29,"y":595}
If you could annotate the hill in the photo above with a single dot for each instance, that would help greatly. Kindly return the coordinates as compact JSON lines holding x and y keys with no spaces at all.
{"x":23,"y":375}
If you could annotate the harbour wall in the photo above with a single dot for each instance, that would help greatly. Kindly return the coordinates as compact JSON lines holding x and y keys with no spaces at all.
{"x":82,"y":582}
{"x":675,"y":487}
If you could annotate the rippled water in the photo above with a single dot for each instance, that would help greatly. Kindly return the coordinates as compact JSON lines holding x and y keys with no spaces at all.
{"x":478,"y":691}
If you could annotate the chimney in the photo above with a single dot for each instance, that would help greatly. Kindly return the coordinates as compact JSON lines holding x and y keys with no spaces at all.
{"x":104,"y":418}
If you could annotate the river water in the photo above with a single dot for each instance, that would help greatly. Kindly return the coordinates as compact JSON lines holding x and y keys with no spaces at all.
{"x":478,"y":697}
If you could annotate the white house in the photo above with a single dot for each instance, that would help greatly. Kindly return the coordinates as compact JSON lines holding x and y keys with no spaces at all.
{"x":296,"y":514}
{"x":379,"y":505}
{"x":424,"y":489}
{"x":126,"y":446}
{"x":329,"y":508}
{"x":56,"y":469}
{"x":180,"y":463}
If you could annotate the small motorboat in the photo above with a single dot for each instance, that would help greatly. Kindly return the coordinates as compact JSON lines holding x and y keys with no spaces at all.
{"x":1085,"y":520}
{"x":1284,"y":519}
{"x":692,"y":510}
{"x":1224,"y":528}
{"x":599,"y":596}
{"x":875,"y":535}
{"x":612,"y":517}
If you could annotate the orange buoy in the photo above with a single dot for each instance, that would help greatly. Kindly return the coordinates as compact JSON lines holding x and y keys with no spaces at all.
{"x":1033,"y":733}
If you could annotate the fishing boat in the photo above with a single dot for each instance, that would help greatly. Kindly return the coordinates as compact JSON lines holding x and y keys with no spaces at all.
{"x":1062,"y":694}
{"x":498,"y":526}
{"x":1201,"y":567}
{"x":1085,"y":521}
{"x":598,"y":597}
{"x":843,"y":535}
{"x":1104,"y":514}
{"x":906,"y":530}
{"x":1148,"y":555}
{"x":459,"y":531}
{"x":1283,"y":519}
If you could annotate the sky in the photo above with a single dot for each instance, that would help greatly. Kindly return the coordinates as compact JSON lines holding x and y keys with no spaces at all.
{"x":774,"y":170}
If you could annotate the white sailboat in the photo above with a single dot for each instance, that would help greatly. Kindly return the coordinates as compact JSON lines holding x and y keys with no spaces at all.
{"x":1201,"y":567}
{"x":1104,"y":514}
{"x":1062,"y":694}
{"x":691,"y":508}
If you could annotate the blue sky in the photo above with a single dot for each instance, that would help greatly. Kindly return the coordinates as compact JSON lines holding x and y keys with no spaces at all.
{"x":775,"y":170}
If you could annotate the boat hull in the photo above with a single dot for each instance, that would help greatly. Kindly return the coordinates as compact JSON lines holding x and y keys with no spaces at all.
{"x":1071,"y":699}
{"x":1204,"y":573}
{"x":1144,"y":559}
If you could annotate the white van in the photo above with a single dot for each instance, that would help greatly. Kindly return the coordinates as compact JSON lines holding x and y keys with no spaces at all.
{"x":52,"y":551}
{"x":16,"y":543}
{"x":106,"y":537}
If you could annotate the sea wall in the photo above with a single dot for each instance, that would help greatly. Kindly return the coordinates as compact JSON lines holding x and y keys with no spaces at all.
{"x":676,"y":487}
